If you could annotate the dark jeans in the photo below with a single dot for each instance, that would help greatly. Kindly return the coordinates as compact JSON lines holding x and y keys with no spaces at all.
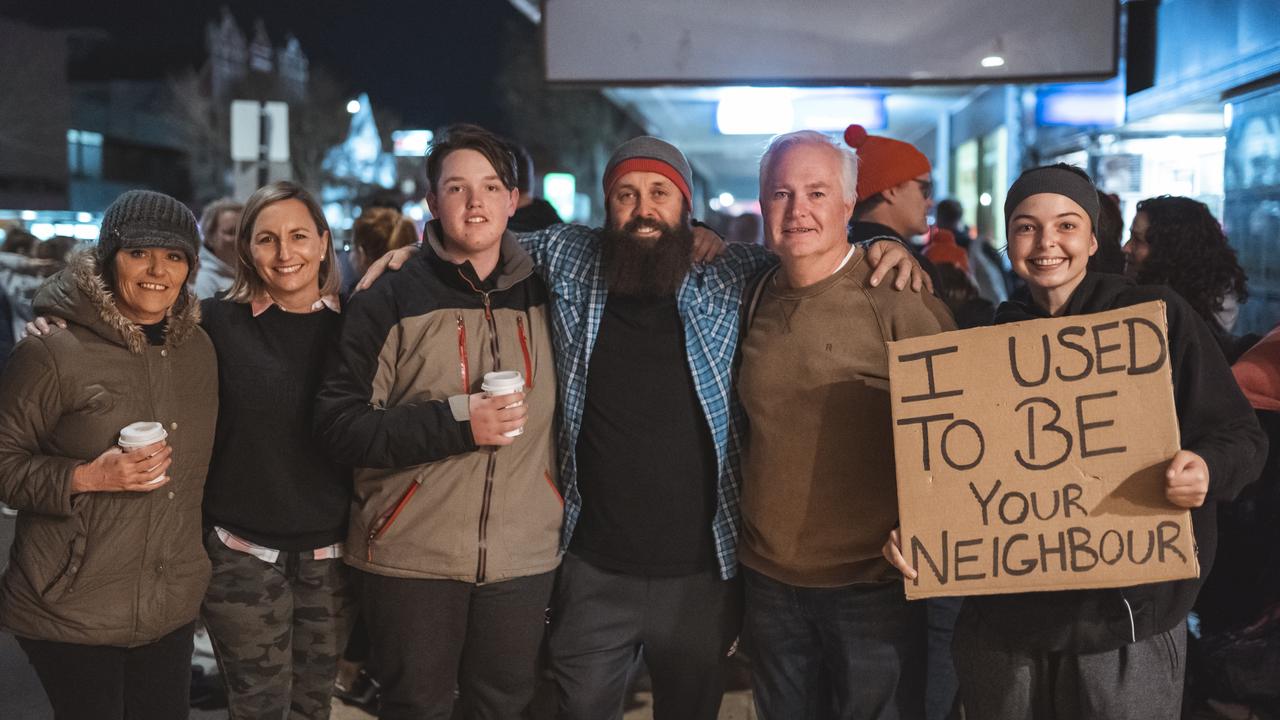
{"x":848,"y":652}
{"x":430,"y":637}
{"x":603,"y":621}
{"x":940,"y":693}
{"x":104,"y":682}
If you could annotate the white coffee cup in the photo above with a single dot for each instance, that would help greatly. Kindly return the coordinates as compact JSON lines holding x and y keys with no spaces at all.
{"x":141,"y":434}
{"x":504,"y":382}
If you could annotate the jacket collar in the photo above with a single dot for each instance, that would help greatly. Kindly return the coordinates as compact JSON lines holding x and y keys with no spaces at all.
{"x":861,"y":230}
{"x":514,"y":264}
{"x":1096,"y":292}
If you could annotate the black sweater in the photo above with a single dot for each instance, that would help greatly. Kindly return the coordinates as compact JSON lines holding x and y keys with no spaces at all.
{"x":1215,"y":422}
{"x":863,"y":231}
{"x":270,"y":481}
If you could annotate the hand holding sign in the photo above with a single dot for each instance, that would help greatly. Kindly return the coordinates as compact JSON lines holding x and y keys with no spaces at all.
{"x":892,"y":552}
{"x":1037,"y":456}
{"x":1187,"y":482}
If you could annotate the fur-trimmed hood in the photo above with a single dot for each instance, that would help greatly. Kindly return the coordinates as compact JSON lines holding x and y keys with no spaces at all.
{"x":79,"y":294}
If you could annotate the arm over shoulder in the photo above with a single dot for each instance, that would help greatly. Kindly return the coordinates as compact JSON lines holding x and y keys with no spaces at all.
{"x":548,"y":245}
{"x":745,"y":262}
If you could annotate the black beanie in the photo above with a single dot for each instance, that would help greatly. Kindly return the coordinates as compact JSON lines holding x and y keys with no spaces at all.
{"x":1060,"y":179}
{"x":145,"y":219}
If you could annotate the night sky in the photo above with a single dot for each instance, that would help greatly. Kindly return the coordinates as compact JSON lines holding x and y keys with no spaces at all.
{"x":432,"y":61}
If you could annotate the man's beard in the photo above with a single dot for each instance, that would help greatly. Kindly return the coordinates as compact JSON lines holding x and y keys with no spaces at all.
{"x":647,"y":268}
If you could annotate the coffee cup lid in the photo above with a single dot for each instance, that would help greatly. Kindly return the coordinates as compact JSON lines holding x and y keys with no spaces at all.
{"x":503,"y":376}
{"x":142,"y":433}
{"x":502,"y":380}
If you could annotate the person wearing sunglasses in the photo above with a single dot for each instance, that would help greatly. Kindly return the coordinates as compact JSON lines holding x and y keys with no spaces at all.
{"x":895,"y":192}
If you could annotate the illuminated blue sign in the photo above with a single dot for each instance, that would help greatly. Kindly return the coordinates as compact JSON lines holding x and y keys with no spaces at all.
{"x":1081,"y":104}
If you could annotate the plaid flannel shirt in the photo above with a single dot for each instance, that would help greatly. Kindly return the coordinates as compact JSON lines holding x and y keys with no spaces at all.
{"x":709,"y":301}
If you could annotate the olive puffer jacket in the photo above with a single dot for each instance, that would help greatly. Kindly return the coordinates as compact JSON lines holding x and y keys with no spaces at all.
{"x":103,"y":568}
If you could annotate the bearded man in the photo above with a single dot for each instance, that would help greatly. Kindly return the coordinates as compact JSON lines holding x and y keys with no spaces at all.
{"x":651,"y":504}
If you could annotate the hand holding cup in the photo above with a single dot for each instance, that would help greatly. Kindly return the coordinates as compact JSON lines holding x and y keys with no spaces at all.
{"x":498,"y":414}
{"x":493,"y":419}
{"x":141,"y":469}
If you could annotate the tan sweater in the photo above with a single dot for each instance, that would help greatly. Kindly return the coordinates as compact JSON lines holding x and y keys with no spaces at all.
{"x":819,"y":495}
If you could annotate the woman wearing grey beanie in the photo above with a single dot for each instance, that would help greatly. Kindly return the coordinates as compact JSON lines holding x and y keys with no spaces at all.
{"x":107,"y":569}
{"x":279,"y":603}
{"x":1117,"y":652}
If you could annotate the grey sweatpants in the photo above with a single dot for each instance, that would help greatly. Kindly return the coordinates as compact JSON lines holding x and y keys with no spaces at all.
{"x":1140,"y":681}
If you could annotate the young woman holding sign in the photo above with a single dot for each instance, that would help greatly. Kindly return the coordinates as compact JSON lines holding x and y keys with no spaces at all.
{"x":1119,"y":652}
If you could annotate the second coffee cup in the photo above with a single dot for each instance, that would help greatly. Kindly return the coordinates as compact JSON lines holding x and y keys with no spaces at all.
{"x":141,"y":434}
{"x":504,"y":382}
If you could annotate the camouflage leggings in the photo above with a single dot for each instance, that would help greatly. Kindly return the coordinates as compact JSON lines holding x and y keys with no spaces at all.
{"x":278,"y":630}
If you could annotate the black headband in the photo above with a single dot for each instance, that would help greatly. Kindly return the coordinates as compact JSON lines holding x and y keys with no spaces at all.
{"x":1059,"y":181}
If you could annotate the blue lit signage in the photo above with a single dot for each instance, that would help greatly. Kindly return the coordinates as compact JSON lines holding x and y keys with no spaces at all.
{"x":1081,"y":104}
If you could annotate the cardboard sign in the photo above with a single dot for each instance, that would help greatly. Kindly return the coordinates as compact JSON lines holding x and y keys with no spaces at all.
{"x":1031,"y":456}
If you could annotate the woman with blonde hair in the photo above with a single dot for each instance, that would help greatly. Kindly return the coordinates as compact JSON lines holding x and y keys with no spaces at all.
{"x":280,"y":604}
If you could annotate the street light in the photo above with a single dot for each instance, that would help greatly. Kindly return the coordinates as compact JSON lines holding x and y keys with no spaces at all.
{"x":353,"y":106}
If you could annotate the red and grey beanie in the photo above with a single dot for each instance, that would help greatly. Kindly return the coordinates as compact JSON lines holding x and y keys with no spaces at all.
{"x":649,"y":154}
{"x":883,"y":162}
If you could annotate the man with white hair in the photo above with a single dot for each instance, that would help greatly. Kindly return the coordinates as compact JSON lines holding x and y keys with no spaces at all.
{"x":826,"y":613}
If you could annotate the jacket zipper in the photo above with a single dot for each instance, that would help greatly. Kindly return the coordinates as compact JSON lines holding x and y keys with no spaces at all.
{"x":462,"y":356}
{"x":493,"y":331}
{"x":383,"y":523}
{"x":486,"y":503}
{"x":482,"y":557}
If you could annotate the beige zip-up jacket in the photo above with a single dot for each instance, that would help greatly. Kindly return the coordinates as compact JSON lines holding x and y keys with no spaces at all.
{"x":428,"y":503}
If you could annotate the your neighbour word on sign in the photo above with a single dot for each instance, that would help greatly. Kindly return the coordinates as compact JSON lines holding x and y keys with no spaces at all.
{"x":1031,"y":456}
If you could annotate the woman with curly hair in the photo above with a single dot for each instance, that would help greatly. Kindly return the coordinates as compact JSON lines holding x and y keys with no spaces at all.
{"x":1176,"y":241}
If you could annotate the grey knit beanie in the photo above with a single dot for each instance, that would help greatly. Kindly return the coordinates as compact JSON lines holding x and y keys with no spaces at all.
{"x":1060,"y":179}
{"x":145,"y":219}
{"x":649,"y":154}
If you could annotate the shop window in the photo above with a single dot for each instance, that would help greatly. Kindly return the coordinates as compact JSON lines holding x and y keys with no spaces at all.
{"x":84,"y":154}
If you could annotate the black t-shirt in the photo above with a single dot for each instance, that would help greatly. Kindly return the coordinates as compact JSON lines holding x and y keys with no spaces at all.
{"x":537,"y":215}
{"x":155,"y":332}
{"x":270,"y":481}
{"x":646,"y":462}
